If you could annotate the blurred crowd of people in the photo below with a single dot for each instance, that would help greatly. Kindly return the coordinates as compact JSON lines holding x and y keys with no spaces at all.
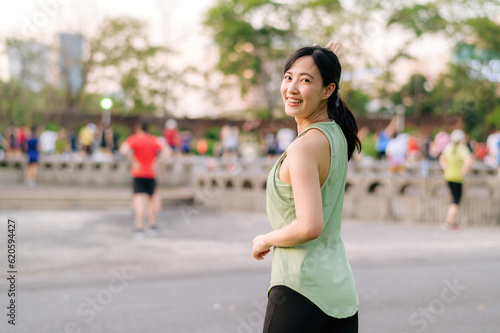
{"x":101,"y":143}
{"x":399,"y":149}
{"x":91,"y":141}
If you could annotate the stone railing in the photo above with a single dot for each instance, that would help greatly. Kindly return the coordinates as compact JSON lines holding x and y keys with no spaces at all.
{"x":371,"y":193}
{"x":419,"y":194}
{"x":91,"y":173}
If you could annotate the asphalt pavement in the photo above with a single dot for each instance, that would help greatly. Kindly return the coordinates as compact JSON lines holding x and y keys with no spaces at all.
{"x":82,"y":271}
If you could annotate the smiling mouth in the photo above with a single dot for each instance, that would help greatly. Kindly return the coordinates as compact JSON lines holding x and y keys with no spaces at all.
{"x":294,"y":101}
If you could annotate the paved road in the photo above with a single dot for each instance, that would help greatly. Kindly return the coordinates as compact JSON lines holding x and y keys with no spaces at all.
{"x":81,"y":271}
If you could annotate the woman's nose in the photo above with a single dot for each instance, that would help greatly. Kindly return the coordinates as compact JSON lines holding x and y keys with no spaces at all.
{"x":293,"y":87}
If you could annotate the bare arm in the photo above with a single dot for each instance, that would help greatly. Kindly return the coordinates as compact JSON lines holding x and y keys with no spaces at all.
{"x":442,"y":161}
{"x":127,"y":151}
{"x":303,"y":161}
{"x":467,"y":164}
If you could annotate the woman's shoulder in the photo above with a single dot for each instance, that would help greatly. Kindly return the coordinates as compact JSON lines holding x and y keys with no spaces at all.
{"x":312,"y":143}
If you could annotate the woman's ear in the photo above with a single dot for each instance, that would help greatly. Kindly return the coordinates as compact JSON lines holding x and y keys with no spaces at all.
{"x":329,"y":89}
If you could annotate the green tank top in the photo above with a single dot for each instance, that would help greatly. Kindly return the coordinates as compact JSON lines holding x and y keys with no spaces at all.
{"x":318,"y":269}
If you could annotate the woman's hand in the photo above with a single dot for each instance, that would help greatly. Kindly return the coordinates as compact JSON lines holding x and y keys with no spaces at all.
{"x":260,"y":247}
{"x":334,"y":47}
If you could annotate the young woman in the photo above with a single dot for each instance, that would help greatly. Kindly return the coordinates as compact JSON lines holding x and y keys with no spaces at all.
{"x":312,"y":286}
{"x":456,"y":161}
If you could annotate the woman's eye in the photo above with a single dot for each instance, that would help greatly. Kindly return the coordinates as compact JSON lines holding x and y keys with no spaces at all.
{"x":288,"y":77}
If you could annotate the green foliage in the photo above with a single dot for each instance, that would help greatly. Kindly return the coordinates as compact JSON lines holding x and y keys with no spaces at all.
{"x":263,"y":114}
{"x":467,"y":88}
{"x":212,"y":133}
{"x":355,"y":99}
{"x":368,"y":144}
{"x":123,"y":50}
{"x":493,"y":119}
{"x":51,"y":126}
{"x":255,"y":36}
{"x":415,"y":96}
{"x":419,"y":19}
{"x":18,"y":104}
{"x":485,"y":34}
{"x":122,"y":131}
{"x":155,"y":130}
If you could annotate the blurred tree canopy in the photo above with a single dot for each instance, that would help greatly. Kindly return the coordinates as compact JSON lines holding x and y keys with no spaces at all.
{"x":470,"y":85}
{"x":120,"y":56}
{"x":255,"y":36}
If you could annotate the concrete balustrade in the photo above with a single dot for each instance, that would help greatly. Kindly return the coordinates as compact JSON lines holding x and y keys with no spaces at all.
{"x":92,"y":173}
{"x":371,"y":192}
{"x":11,"y":172}
{"x":230,"y":191}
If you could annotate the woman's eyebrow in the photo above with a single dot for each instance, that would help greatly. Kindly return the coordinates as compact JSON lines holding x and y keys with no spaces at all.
{"x":303,"y":73}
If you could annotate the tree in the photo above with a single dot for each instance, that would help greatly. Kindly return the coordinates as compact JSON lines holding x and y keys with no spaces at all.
{"x":254,"y":37}
{"x":123,"y":55}
{"x":469,"y":86}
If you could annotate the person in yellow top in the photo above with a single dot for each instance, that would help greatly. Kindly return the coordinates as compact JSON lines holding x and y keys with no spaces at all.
{"x":86,"y":138}
{"x":312,"y":287}
{"x":456,"y":161}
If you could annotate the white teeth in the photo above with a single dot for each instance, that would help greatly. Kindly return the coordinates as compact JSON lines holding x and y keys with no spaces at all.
{"x":294,"y":100}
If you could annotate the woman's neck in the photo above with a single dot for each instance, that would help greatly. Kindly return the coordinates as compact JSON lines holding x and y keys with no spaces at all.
{"x":303,"y":123}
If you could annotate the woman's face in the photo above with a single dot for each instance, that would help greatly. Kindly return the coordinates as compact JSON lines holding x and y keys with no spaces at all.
{"x":302,"y":89}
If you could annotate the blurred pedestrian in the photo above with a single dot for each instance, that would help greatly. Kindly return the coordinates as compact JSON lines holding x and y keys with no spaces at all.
{"x":284,"y":138}
{"x":22,"y":137}
{"x":312,"y":286}
{"x":13,"y":145}
{"x":230,"y":140}
{"x":105,"y":138}
{"x":441,"y":141}
{"x":86,"y":138}
{"x":32,"y":152}
{"x":413,"y":149}
{"x":186,"y":141}
{"x":396,"y":152}
{"x":63,"y":144}
{"x":383,"y":137}
{"x":492,"y":157}
{"x":172,"y":135}
{"x":142,"y":150}
{"x":48,"y":140}
{"x":270,"y":145}
{"x":2,"y":147}
{"x":456,"y":161}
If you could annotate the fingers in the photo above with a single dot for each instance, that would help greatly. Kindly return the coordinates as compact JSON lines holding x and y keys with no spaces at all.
{"x":261,"y":255}
{"x":260,"y":247}
{"x":334,"y":47}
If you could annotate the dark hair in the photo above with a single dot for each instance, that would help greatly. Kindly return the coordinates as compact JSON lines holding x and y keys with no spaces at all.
{"x":143,"y":125}
{"x":330,"y":69}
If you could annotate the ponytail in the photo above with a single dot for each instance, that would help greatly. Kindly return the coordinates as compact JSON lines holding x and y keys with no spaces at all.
{"x":342,"y":115}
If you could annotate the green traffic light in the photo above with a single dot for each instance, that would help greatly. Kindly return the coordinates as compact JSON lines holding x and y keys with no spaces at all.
{"x":106,"y":103}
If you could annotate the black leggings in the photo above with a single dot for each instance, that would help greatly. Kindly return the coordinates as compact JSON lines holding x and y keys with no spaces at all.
{"x":456,"y":192}
{"x":290,"y":312}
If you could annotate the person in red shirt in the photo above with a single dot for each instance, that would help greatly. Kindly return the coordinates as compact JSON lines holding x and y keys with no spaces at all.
{"x":143,"y":150}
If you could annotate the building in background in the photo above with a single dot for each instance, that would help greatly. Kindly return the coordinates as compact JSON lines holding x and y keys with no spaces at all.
{"x":70,"y":62}
{"x":30,"y":63}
